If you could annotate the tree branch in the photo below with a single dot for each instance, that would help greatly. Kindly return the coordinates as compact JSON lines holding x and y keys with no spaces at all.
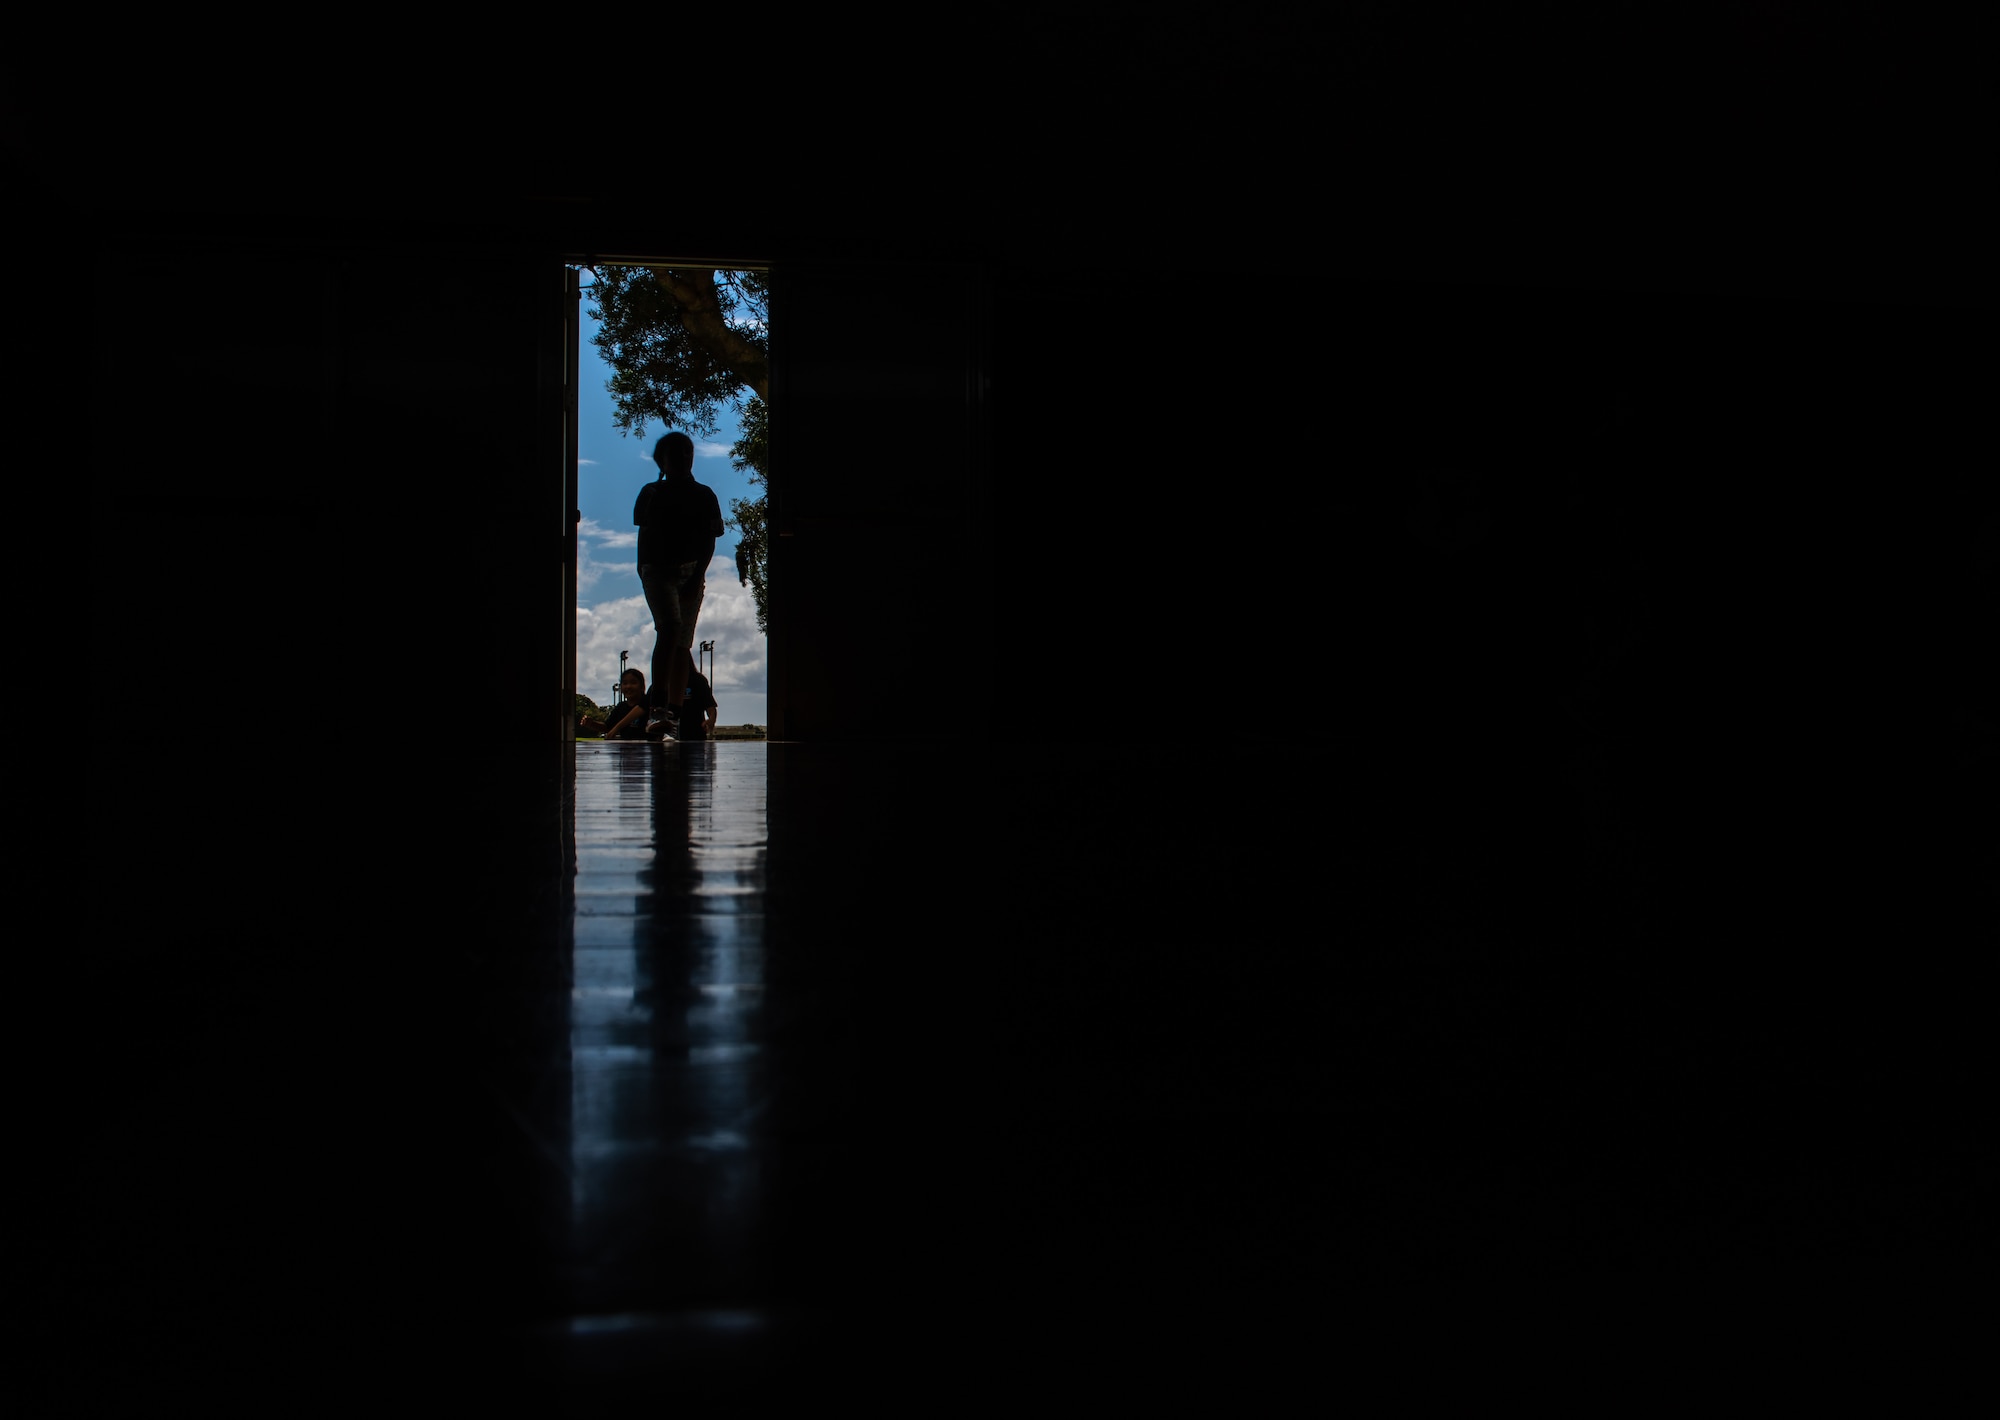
{"x":701,"y":315}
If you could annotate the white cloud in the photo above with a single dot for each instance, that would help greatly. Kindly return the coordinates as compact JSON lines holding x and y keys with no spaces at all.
{"x":605,"y":537}
{"x":729,"y":619}
{"x":601,"y":579}
{"x":588,"y":463}
{"x":713,"y":451}
{"x":602,"y":575}
{"x":602,"y":631}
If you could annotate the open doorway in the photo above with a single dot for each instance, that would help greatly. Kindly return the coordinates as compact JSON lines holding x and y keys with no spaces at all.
{"x":672,"y":348}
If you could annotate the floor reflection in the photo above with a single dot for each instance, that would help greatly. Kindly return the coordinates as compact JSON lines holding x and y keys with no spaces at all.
{"x":667,"y":1063}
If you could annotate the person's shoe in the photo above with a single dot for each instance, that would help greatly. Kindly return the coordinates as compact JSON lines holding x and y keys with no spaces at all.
{"x":661,"y":725}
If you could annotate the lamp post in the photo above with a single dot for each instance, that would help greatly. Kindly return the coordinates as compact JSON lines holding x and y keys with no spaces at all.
{"x":615,"y":689}
{"x":708,"y":649}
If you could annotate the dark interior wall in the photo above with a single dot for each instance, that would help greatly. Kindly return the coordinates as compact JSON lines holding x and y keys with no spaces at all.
{"x":356,"y":503}
{"x":1567,"y":607}
{"x":1235,"y":469}
{"x":1759,"y":444}
{"x":880,"y":617}
{"x":352,"y":495}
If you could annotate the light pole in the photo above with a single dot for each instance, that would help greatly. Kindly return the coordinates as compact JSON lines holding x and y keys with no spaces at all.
{"x":708,"y":649}
{"x":620,"y":686}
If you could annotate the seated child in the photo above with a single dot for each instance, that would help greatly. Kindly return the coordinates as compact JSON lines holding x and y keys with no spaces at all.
{"x":628,"y":721}
{"x":698,"y":708}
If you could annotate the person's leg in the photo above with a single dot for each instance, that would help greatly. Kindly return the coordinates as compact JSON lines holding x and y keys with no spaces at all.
{"x":691,"y":592}
{"x":677,"y":671}
{"x":663,"y":599}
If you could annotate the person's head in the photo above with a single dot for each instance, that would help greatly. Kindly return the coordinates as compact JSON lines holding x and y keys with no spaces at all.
{"x":632,"y":685}
{"x":674,"y":453}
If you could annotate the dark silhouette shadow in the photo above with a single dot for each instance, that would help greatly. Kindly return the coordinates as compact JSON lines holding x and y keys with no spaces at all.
{"x":679,"y":520}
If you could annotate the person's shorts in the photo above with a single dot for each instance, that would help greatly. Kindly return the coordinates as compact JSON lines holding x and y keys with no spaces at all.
{"x":673,"y":594}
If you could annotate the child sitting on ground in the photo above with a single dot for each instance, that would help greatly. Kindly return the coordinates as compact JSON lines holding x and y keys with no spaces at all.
{"x":628,"y":721}
{"x":698,"y":708}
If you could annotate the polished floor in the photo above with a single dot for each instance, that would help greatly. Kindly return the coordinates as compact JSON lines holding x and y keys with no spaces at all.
{"x":767,"y":1067}
{"x":685,"y":1076}
{"x":851,"y":1082}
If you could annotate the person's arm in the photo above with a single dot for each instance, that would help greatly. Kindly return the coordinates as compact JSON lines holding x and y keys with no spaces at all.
{"x":636,"y":708}
{"x":708,"y":719}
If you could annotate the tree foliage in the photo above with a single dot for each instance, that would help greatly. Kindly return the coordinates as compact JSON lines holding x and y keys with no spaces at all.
{"x":751,"y":514}
{"x":682,"y":344}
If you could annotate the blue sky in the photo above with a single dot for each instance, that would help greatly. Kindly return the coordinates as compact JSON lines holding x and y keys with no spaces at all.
{"x":611,"y":609}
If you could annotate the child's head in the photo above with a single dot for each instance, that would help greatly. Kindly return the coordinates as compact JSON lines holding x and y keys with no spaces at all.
{"x":674,"y":452}
{"x":632,"y":685}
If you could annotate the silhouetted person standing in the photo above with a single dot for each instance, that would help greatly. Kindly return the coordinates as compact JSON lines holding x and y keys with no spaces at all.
{"x":679,"y":521}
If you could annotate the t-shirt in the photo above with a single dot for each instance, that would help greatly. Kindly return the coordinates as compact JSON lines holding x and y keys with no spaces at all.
{"x":678,"y":520}
{"x":700,"y":697}
{"x":636,"y":730}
